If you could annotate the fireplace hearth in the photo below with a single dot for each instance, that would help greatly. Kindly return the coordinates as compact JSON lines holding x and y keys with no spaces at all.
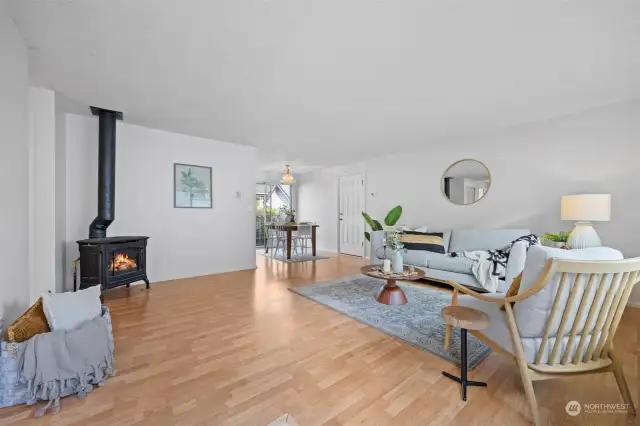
{"x":109,"y":261}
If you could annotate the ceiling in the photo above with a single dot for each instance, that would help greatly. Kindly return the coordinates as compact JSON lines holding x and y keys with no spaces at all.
{"x":317,"y":83}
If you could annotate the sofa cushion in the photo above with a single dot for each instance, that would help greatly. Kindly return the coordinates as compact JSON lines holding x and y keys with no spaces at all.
{"x":532,"y":313}
{"x":470,"y":240}
{"x":462,"y":279}
{"x":444,"y":262}
{"x":416,"y":257}
{"x":425,"y":241}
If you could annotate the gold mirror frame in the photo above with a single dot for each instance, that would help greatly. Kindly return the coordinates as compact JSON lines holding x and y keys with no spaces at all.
{"x":453,"y":165}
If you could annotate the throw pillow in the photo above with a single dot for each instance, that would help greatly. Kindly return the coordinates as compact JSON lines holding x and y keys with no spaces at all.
{"x":32,"y":322}
{"x":67,"y":311}
{"x":513,"y":289}
{"x":427,"y":241}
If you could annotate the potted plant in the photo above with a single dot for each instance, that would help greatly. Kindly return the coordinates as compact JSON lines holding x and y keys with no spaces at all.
{"x":289,"y":213}
{"x":390,"y":220}
{"x":558,"y":240}
{"x":393,"y":240}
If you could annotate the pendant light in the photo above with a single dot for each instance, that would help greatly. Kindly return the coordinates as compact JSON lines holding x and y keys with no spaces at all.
{"x":287,"y":178}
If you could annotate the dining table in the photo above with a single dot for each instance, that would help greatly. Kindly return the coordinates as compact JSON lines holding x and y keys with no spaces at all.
{"x":290,"y":228}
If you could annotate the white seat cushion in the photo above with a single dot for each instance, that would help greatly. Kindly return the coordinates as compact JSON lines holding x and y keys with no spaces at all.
{"x":532,"y":313}
{"x":498,"y":331}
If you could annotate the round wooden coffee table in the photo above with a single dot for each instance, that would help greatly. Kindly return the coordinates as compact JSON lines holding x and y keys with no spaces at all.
{"x":390,"y":293}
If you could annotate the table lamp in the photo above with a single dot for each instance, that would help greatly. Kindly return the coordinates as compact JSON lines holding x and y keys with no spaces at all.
{"x":584,"y":209}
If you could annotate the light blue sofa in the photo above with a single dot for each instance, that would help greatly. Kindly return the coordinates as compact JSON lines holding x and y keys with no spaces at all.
{"x":442,"y":267}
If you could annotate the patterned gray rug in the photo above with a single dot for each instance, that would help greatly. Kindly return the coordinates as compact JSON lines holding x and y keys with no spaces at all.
{"x":418,"y":322}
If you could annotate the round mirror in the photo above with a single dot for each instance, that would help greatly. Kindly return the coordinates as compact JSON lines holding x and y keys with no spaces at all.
{"x":466,"y":181}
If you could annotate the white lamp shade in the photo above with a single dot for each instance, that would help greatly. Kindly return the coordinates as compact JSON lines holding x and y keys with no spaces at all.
{"x":586,"y":207}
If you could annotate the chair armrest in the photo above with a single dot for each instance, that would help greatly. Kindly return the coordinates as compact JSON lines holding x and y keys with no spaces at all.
{"x":500,"y":300}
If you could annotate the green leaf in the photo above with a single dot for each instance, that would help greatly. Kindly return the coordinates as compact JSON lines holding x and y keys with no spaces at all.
{"x":184,"y":175}
{"x":367,"y":236}
{"x":393,"y":216}
{"x":377,"y":226}
{"x":368,"y":219}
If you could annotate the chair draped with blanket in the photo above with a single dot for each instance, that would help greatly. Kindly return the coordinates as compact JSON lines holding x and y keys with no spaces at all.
{"x":564,"y":318}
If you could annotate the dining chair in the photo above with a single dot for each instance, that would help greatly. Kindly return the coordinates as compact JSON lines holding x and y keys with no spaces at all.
{"x":270,"y":235}
{"x":304,"y":235}
{"x":281,"y":241}
{"x":565,"y":316}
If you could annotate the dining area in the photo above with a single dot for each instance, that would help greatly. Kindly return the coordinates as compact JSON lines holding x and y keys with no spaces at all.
{"x":279,"y":235}
{"x":291,"y":238}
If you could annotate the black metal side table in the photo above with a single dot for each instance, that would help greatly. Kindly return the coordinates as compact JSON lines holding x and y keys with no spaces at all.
{"x":465,"y":319}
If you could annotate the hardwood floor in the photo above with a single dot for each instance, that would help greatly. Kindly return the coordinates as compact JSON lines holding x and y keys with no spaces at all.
{"x":239,"y":349}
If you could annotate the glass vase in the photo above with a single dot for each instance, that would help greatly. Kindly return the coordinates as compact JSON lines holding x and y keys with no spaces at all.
{"x":396,"y":263}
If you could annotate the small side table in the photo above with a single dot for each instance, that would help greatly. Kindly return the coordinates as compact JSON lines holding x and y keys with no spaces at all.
{"x":390,"y":293}
{"x":465,"y":319}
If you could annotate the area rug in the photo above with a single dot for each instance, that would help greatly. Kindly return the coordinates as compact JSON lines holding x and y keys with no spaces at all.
{"x":294,"y":258}
{"x":418,"y":322}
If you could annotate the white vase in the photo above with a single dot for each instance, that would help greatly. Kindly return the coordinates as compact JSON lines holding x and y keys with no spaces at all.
{"x":583,"y":236}
{"x":397,"y":263}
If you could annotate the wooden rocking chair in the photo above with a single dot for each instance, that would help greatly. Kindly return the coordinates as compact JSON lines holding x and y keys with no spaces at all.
{"x":580,"y":300}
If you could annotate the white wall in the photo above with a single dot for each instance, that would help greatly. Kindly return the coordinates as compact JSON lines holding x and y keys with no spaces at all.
{"x":184,"y":242}
{"x":532,"y":166}
{"x":14,"y":170}
{"x":61,"y":194}
{"x":41,"y":136}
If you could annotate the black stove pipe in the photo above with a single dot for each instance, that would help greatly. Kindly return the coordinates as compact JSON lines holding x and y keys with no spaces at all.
{"x":106,"y":171}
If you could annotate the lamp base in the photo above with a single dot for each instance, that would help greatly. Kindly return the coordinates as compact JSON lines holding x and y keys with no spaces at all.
{"x":583,"y":236}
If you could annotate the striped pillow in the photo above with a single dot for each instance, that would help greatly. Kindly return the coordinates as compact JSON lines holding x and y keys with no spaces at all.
{"x":425,"y":241}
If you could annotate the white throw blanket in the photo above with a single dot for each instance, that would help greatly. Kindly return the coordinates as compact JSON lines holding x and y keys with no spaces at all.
{"x":483,"y":269}
{"x":489,"y":266}
{"x":50,"y":362}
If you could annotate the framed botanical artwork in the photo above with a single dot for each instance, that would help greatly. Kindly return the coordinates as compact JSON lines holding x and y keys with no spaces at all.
{"x":191,"y":186}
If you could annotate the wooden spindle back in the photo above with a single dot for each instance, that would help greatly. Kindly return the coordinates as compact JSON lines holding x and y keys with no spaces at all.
{"x":588,"y":303}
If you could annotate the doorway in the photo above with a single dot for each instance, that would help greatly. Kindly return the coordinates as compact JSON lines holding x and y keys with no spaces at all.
{"x":270,"y":197}
{"x":351,"y":206}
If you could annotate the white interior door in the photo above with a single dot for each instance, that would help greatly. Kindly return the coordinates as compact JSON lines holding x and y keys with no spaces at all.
{"x":351,"y":221}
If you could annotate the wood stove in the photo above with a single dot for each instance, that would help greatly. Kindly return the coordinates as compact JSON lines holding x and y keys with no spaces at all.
{"x":109,"y":261}
{"x":113,"y":262}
